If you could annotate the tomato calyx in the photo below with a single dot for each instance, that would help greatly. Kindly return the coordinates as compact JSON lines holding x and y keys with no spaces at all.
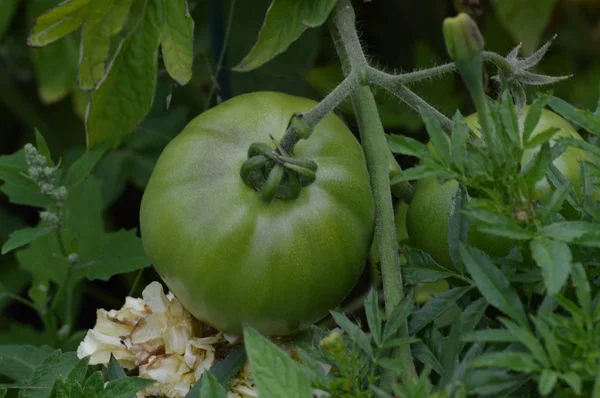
{"x":273,"y":173}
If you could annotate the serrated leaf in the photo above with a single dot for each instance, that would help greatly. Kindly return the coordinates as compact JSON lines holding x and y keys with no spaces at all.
{"x":472,"y":315}
{"x":434,"y":308}
{"x":77,"y":374}
{"x":210,"y":387}
{"x":285,"y":21}
{"x":127,"y":92}
{"x":550,"y":342}
{"x":57,"y":22}
{"x":18,"y":362}
{"x":541,"y":138}
{"x":177,"y":40}
{"x":493,"y":284}
{"x":354,"y":332}
{"x":575,"y":116}
{"x":526,"y":337}
{"x":55,"y":366}
{"x":548,"y":210}
{"x":94,"y":384}
{"x":24,"y":236}
{"x":582,"y":285}
{"x":509,"y":119}
{"x":274,"y":372}
{"x":407,"y":146}
{"x":554,"y":258}
{"x":569,"y":231}
{"x":459,"y":138}
{"x":416,"y":173}
{"x":573,"y":380}
{"x":373,"y":316}
{"x":458,"y":226}
{"x":422,"y":268}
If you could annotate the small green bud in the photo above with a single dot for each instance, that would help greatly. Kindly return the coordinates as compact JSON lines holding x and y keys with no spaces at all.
{"x":48,"y":172}
{"x":46,"y":188}
{"x":34,"y":172}
{"x":73,"y":259}
{"x":60,"y":194}
{"x":50,"y":217}
{"x":39,"y":160}
{"x":333,"y":343}
{"x":462,"y":36}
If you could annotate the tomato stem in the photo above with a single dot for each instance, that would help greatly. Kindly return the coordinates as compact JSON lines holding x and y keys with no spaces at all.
{"x":345,"y":37}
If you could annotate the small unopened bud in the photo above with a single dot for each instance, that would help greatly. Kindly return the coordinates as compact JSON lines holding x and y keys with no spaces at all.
{"x":48,"y":172}
{"x":462,"y":36}
{"x":60,"y":194}
{"x":73,"y":259}
{"x":34,"y":172}
{"x":333,"y":343}
{"x":46,"y":188}
{"x":51,"y":218}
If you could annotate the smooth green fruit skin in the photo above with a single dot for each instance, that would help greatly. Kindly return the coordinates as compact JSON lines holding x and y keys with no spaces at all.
{"x":233,"y":260}
{"x":427,"y":216}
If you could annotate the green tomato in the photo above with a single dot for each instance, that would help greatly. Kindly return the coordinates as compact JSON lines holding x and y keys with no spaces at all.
{"x":231,"y":258}
{"x":427,"y":217}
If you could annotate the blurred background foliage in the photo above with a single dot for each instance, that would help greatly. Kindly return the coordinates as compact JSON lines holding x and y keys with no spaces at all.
{"x":38,"y":89}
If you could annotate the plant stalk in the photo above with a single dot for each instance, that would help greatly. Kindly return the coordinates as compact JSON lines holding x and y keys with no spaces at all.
{"x":345,"y":37}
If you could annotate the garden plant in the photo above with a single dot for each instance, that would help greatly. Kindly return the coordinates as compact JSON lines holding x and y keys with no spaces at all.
{"x":292,"y":246}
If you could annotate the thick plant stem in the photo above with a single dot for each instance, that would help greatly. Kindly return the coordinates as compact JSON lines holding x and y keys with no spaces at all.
{"x":352,"y":58}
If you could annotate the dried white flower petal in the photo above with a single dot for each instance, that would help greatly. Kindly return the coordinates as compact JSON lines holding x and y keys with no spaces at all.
{"x":99,"y":346}
{"x":155,"y":298}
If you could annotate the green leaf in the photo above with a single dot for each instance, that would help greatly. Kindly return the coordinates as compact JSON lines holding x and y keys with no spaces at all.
{"x":573,"y":380}
{"x":354,"y":332}
{"x":84,"y":165}
{"x":547,"y":381}
{"x":408,"y":146}
{"x":549,"y":210}
{"x":210,"y":387}
{"x":94,"y":384}
{"x":537,"y":167}
{"x":24,"y":236}
{"x":19,"y":188}
{"x":115,"y":371}
{"x":516,"y":361}
{"x":57,"y":22}
{"x":77,"y":375}
{"x":582,"y":285}
{"x":96,"y":54}
{"x":42,"y":147}
{"x":226,"y":369}
{"x":458,"y":226}
{"x":490,"y":336}
{"x":579,"y":232}
{"x":18,"y":362}
{"x":416,"y":173}
{"x":3,"y":391}
{"x":459,"y":138}
{"x":525,"y":21}
{"x":554,"y":258}
{"x":397,"y":318}
{"x":276,"y":374}
{"x":550,"y":342}
{"x":509,"y":118}
{"x":285,"y":21}
{"x":7,"y":10}
{"x":126,"y":94}
{"x":438,"y":138}
{"x":580,"y":118}
{"x":434,"y":308}
{"x":373,"y":316}
{"x":125,"y":387}
{"x":493,"y":284}
{"x":177,"y":40}
{"x":422,"y":268}
{"x":472,"y":315}
{"x":55,"y":366}
{"x":541,"y":138}
{"x":117,"y":253}
{"x":532,"y":117}
{"x":528,"y":340}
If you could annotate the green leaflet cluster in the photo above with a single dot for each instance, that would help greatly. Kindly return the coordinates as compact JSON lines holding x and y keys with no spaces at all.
{"x":118,"y":59}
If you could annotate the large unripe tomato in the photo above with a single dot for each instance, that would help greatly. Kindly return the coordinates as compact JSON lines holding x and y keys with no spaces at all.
{"x":427,"y":217}
{"x":233,"y":259}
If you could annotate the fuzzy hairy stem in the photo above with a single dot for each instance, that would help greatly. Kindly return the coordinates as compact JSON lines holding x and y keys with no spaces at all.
{"x":392,"y":84}
{"x":416,"y":76}
{"x":343,"y":30}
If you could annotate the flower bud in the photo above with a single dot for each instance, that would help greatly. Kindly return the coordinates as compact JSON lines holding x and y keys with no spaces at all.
{"x":333,"y":343}
{"x":46,"y":188}
{"x":462,"y":36}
